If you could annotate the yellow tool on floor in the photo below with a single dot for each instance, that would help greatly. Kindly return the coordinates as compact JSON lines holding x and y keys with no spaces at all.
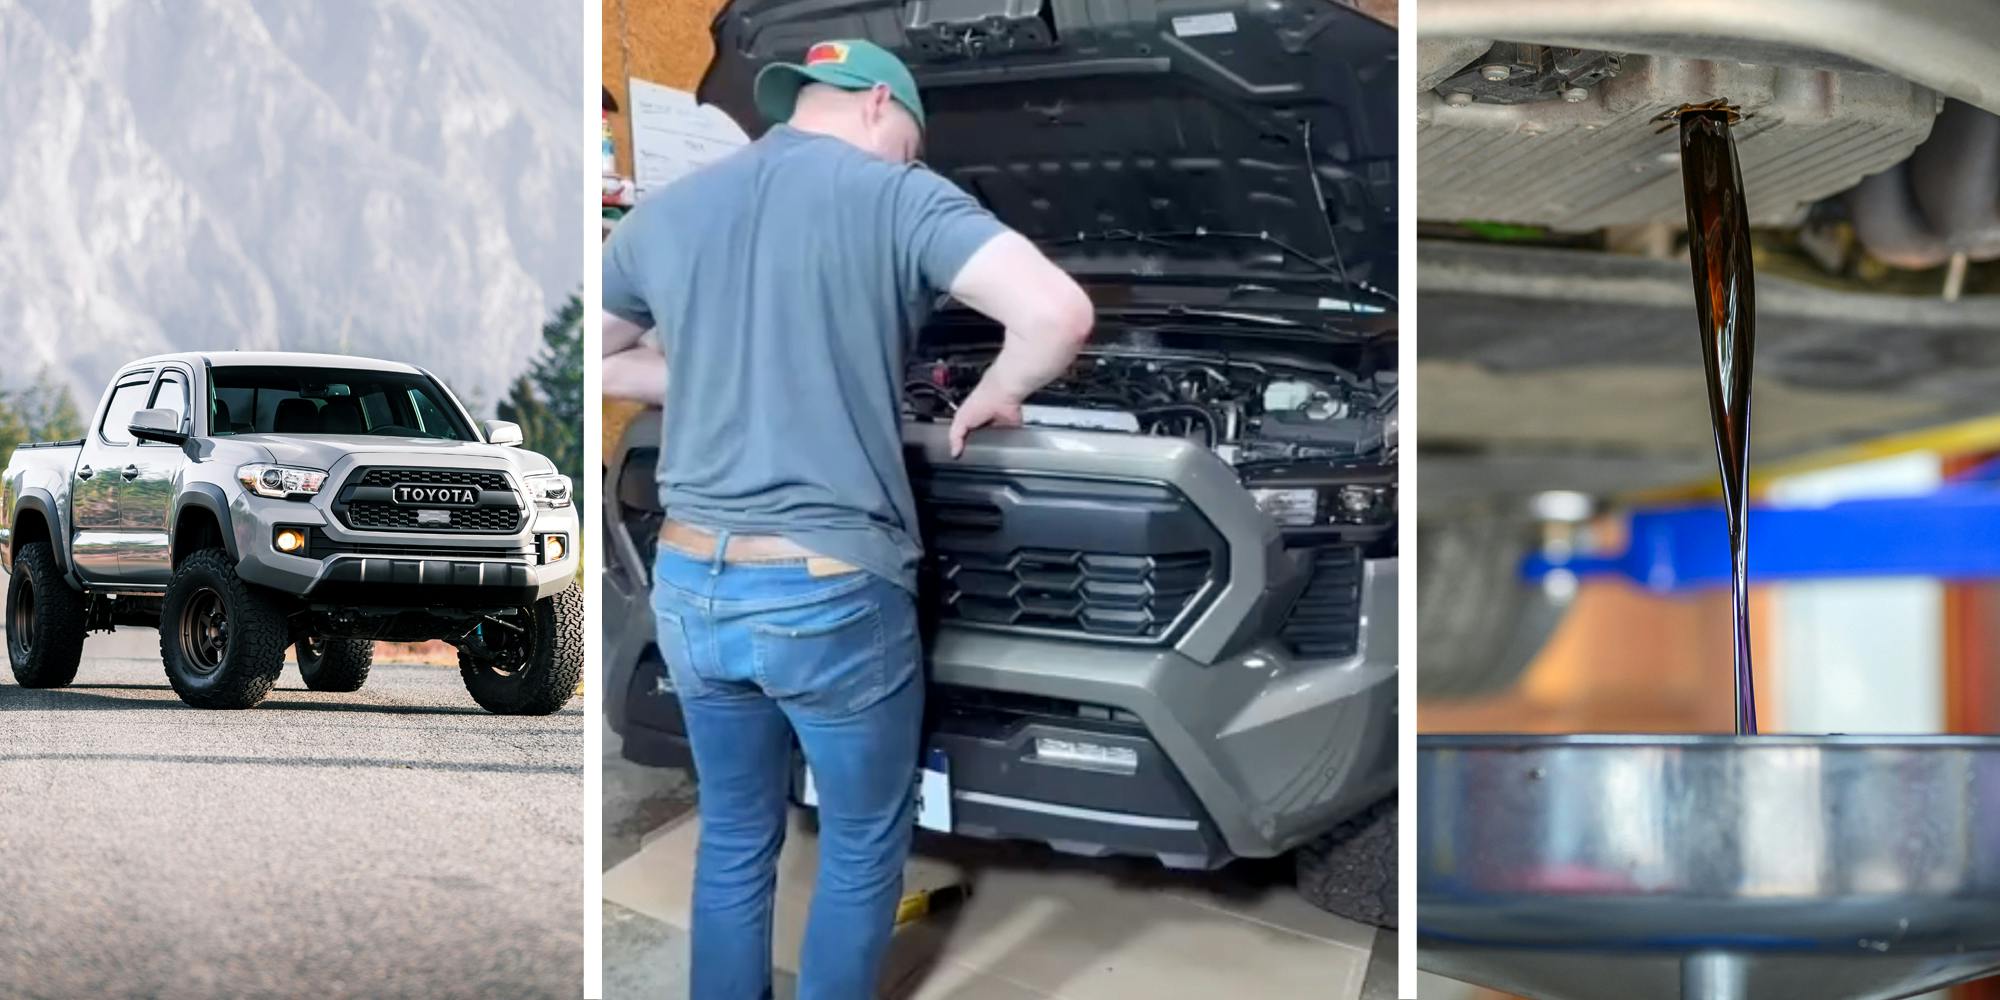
{"x":917,"y":905}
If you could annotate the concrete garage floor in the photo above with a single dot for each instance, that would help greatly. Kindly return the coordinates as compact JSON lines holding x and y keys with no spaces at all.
{"x":1039,"y":924}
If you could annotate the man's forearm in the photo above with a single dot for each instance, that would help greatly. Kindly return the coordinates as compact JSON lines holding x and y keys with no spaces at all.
{"x":1046,"y":316}
{"x":638,"y":373}
{"x":1026,"y":363}
{"x":620,"y":334}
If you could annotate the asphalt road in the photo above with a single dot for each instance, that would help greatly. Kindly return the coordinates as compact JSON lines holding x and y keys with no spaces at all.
{"x":396,"y":842}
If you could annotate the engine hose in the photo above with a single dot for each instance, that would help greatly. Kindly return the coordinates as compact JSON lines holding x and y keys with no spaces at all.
{"x":1181,"y":410}
{"x":937,"y":393}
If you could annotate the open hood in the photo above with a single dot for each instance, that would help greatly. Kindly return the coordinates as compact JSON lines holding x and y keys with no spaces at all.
{"x":1161,"y":119}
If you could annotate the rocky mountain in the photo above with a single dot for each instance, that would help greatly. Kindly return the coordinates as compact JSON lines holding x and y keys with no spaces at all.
{"x":395,"y":178}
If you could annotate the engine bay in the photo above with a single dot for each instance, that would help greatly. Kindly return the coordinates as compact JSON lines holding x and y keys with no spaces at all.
{"x":1249,"y":412}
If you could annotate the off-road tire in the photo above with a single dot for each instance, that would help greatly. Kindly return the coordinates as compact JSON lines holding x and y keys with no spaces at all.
{"x":1351,"y":871}
{"x":253,"y":651}
{"x":47,"y":656}
{"x":339,"y":665}
{"x":554,"y":666}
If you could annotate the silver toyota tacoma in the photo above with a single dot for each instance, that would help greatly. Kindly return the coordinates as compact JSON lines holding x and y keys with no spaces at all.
{"x":1163,"y":616}
{"x":246,"y":502}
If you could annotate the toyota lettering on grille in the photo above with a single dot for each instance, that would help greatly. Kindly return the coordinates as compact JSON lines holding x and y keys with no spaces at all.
{"x":419,"y":495}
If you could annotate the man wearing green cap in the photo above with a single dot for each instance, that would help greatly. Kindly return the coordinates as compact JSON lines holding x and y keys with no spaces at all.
{"x":786,"y":282}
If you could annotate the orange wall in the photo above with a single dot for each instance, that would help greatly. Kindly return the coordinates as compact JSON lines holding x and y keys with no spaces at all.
{"x":661,"y":41}
{"x":664,"y":42}
{"x":1624,"y":660}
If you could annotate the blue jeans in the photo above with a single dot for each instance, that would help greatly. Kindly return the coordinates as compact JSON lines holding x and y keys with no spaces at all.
{"x":759,"y":653}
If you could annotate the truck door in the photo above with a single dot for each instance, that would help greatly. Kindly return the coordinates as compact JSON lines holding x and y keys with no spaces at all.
{"x":108,"y":449}
{"x":146,"y":493}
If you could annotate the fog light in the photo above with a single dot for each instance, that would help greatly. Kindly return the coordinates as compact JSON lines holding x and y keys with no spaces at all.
{"x":289,"y":540}
{"x":1086,"y":756}
{"x":554,"y":547}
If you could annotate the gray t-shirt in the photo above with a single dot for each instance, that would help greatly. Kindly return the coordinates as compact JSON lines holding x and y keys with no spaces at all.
{"x":787,"y":281}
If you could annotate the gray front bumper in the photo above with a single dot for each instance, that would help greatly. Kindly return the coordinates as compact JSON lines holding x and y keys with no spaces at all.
{"x":459,"y":568}
{"x":1273,"y":749}
{"x":1276,"y":748}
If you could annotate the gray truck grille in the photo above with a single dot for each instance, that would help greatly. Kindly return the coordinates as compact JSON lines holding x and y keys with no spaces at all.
{"x":364,"y":504}
{"x":1114,"y":561}
{"x":1325,"y":621}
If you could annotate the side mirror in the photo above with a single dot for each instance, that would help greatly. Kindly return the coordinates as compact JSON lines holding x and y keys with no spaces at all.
{"x":502,"y":432}
{"x":158,"y":424}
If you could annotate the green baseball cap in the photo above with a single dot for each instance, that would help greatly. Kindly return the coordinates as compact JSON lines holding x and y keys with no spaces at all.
{"x":850,"y":64}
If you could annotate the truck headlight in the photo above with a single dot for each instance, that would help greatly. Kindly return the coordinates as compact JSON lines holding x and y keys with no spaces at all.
{"x":1364,"y":503}
{"x":1331,"y":504}
{"x":1291,"y":507}
{"x":280,"y":482}
{"x":549,"y":490}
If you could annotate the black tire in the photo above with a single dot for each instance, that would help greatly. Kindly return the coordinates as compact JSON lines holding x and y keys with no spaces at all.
{"x":44,"y":620}
{"x":334,"y":664}
{"x":539,"y":674}
{"x":1351,"y":871}
{"x":1478,"y":623}
{"x":222,"y":640}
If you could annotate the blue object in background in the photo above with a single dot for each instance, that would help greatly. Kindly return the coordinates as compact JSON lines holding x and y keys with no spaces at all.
{"x":1951,"y":533}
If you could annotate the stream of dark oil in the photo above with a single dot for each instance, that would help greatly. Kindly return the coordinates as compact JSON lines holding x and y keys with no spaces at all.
{"x":1725,"y":307}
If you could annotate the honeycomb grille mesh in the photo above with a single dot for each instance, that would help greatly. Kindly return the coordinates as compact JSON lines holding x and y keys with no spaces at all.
{"x":381,"y":515}
{"x":368,"y":514}
{"x":496,"y":481}
{"x":1131,"y":596}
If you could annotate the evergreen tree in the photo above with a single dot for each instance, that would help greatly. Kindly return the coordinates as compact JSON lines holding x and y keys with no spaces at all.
{"x":547,"y":401}
{"x":13,"y":431}
{"x":44,"y":411}
{"x":525,"y":407}
{"x":47,"y":409}
{"x":558,"y":370}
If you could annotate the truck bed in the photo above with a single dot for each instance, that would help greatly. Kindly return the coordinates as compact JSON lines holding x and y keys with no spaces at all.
{"x":44,"y":465}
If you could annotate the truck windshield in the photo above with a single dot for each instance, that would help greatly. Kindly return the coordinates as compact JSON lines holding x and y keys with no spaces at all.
{"x":318,"y":401}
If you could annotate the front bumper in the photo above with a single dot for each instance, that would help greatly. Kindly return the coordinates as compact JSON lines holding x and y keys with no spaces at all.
{"x":1243,"y":758}
{"x":1005,"y":787}
{"x":349,"y":568}
{"x":1270,"y":750}
{"x":1243,"y":746}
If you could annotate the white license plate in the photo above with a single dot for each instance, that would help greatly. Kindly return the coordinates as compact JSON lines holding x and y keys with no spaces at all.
{"x":933,"y":792}
{"x":441,"y":518}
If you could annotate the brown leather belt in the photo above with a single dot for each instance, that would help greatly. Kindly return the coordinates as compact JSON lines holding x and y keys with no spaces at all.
{"x":697,"y":543}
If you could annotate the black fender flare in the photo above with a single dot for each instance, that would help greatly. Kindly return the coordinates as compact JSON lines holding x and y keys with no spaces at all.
{"x":208,"y":497}
{"x":41,"y":501}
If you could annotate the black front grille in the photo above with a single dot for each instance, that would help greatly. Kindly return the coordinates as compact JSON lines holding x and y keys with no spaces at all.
{"x":496,"y":481}
{"x":1325,"y":621}
{"x":377,"y":515}
{"x":365,"y":504}
{"x":952,"y":699}
{"x":1109,"y":560}
{"x":320,"y":545}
